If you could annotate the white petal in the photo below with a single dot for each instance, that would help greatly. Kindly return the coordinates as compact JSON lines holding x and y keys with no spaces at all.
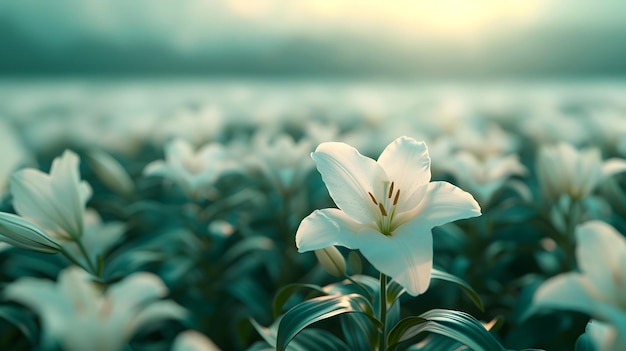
{"x":135,"y":290}
{"x":66,"y":187}
{"x":613,"y":166}
{"x":601,"y":255}
{"x":349,"y":176}
{"x":33,"y":198}
{"x":407,"y":163}
{"x":504,"y":166}
{"x":191,"y":340}
{"x":406,"y":256}
{"x":324,"y":228}
{"x":155,"y":312}
{"x":565,"y":291}
{"x":51,"y":306}
{"x":157,"y":168}
{"x":76,"y":285}
{"x":445,"y":203}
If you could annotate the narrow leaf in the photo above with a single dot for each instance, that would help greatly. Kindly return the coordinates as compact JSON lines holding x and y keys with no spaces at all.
{"x":315,"y":310}
{"x":469,"y":291}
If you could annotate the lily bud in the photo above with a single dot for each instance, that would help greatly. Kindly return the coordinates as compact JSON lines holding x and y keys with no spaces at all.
{"x":331,"y":259}
{"x":21,"y":233}
{"x":111,"y":173}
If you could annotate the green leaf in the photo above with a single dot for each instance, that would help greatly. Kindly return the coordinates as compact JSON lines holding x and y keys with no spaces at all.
{"x":456,"y":325}
{"x":308,"y":340}
{"x":394,"y":291}
{"x":436,"y":342}
{"x":469,"y":291}
{"x":359,"y":331}
{"x":22,"y":320}
{"x":287,"y":291}
{"x":317,"y":309}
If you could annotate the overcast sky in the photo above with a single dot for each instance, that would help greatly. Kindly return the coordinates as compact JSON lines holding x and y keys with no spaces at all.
{"x":278,"y":36}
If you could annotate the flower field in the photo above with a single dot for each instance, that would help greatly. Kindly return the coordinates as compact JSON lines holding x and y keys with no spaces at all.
{"x":303,"y":215}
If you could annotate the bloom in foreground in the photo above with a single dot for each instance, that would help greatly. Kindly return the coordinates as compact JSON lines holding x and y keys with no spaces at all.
{"x":77,"y":315}
{"x":387,"y":208}
{"x":599,"y":290}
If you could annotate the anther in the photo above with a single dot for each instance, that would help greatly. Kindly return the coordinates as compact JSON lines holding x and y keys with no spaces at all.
{"x":390,"y":190}
{"x":382,"y":209}
{"x":395,"y":200}
{"x":373,"y":198}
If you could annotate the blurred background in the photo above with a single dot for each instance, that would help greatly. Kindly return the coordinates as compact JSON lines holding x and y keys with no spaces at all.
{"x":447,"y":39}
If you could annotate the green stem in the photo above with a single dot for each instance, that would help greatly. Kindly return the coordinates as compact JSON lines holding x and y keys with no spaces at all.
{"x":570,"y":235}
{"x":72,"y":258}
{"x":382,"y":312}
{"x":92,"y":269}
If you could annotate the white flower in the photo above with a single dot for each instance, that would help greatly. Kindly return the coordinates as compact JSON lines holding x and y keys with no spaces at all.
{"x":483,"y":177}
{"x":387,"y":208}
{"x":77,"y":315}
{"x":194,"y":171}
{"x":561,"y":169}
{"x":56,"y":201}
{"x":281,"y":159}
{"x":599,"y":290}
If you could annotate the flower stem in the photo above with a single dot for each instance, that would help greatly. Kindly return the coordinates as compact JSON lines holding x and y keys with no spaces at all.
{"x":92,"y":268}
{"x":572,"y":222}
{"x":382,"y":312}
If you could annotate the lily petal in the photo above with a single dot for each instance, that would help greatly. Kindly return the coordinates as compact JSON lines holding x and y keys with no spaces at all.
{"x":349,"y":176}
{"x":327,"y":227}
{"x":407,"y":163}
{"x":565,"y":291}
{"x":406,"y":256}
{"x":613,"y":166}
{"x":66,"y":185}
{"x":42,"y":297}
{"x":601,"y":255}
{"x":445,"y":203}
{"x":136,"y":290}
{"x":33,"y":199}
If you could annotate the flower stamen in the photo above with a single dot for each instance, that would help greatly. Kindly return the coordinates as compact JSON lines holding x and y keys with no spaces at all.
{"x":373,"y":198}
{"x":382,"y":209}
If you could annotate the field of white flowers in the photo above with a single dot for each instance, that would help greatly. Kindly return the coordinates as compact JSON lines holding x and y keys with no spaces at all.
{"x":233,"y":215}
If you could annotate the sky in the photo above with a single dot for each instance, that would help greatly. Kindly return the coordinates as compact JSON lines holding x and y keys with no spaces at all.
{"x":324,"y":37}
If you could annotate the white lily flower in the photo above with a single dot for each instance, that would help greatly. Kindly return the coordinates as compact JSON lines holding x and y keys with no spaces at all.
{"x":599,"y":290}
{"x":483,"y":177}
{"x":562,"y":169}
{"x":77,"y":315}
{"x":194,"y":171}
{"x":56,"y":201}
{"x":281,"y":159}
{"x":387,"y":208}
